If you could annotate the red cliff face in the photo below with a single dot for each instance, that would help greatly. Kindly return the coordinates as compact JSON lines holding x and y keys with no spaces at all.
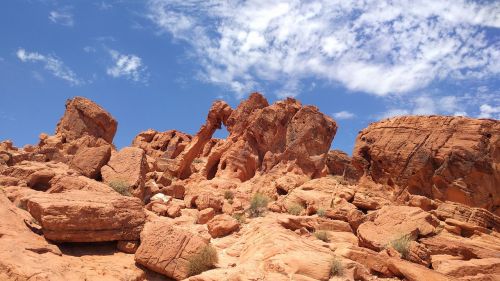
{"x":446,"y":158}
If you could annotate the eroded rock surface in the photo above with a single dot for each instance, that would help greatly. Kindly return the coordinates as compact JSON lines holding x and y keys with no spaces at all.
{"x":83,"y":216}
{"x":448,"y":158}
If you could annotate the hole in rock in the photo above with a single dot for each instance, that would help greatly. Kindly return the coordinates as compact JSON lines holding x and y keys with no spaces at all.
{"x":212,"y":170}
{"x":281,"y":190}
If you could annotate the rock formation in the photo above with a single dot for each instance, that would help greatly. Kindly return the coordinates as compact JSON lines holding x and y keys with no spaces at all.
{"x":447,"y":158}
{"x":417,"y":201}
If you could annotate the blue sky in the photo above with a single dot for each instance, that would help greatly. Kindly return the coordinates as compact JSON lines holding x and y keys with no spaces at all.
{"x":160,"y":64}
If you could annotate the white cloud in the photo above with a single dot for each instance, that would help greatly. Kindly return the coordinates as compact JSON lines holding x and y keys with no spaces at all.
{"x":378,"y":47}
{"x":394,"y":112}
{"x":104,"y":6}
{"x":89,"y":49}
{"x":62,"y":17}
{"x":342,"y":115}
{"x":429,"y":105}
{"x":488,"y":111}
{"x":128,"y":66}
{"x":52,"y":64}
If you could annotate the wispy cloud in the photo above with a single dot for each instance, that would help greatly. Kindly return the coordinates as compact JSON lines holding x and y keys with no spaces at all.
{"x":488,"y":111}
{"x":128,"y":66}
{"x":428,"y":105}
{"x":343,"y":115}
{"x":62,"y":17}
{"x":52,"y":64}
{"x":378,"y":47}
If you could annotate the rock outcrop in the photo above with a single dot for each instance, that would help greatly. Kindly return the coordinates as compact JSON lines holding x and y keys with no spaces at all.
{"x":127,"y":167}
{"x":418,"y":200}
{"x":84,"y":117}
{"x":167,"y":249}
{"x":447,"y":158}
{"x":83,"y":216}
{"x":261,"y":136}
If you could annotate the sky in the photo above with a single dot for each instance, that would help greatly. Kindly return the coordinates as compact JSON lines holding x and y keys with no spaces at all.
{"x":161,"y":63}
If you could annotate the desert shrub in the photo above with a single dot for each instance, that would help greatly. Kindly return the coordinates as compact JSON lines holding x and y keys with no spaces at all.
{"x":295,"y":209}
{"x":321,"y":235}
{"x":336,"y":268}
{"x":203,"y":260}
{"x":402,"y":245}
{"x":228,"y":195}
{"x":197,"y":160}
{"x":258,"y":205}
{"x":321,"y":213}
{"x":240,"y":217}
{"x":121,"y":187}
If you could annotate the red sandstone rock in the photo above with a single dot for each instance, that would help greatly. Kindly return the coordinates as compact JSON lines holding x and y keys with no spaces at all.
{"x":448,"y":158}
{"x":89,"y":160}
{"x":127,"y":166}
{"x":84,"y":117}
{"x":65,"y":183}
{"x":166,"y":145}
{"x":393,"y":222}
{"x":167,"y":249}
{"x":205,"y":215}
{"x":83,"y":216}
{"x":222,"y":225}
{"x":339,"y":164}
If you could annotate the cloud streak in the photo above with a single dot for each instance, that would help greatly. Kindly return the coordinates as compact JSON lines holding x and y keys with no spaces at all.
{"x":62,"y":17}
{"x":127,"y":66}
{"x":377,"y":47}
{"x":52,"y":64}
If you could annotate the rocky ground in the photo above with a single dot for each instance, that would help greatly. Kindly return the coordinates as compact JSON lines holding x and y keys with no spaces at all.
{"x":419,"y":200}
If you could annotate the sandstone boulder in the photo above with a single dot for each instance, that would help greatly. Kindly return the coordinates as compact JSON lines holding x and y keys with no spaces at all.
{"x":448,"y":158}
{"x":129,"y":167}
{"x":26,"y":255}
{"x":83,"y":216}
{"x":393,"y":222}
{"x":89,"y":160}
{"x":84,"y":117}
{"x":222,"y":225}
{"x":65,"y":183}
{"x":475,"y":216}
{"x":166,"y":249}
{"x":340,"y":164}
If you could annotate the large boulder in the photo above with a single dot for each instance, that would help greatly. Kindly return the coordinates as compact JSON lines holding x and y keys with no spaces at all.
{"x":89,"y":160}
{"x":393,"y":222}
{"x":222,"y":225}
{"x":84,"y":216}
{"x":167,"y":250}
{"x":65,"y":183}
{"x":127,"y":167}
{"x":26,"y":255}
{"x":84,"y":117}
{"x":448,"y":158}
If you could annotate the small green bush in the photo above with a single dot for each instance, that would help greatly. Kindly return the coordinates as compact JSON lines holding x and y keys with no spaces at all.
{"x":203,"y":261}
{"x":295,"y":209}
{"x":121,"y":187}
{"x":228,"y":195}
{"x":402,"y":245}
{"x":321,"y":213}
{"x":258,"y":205}
{"x":336,"y":269}
{"x":321,"y":235}
{"x":240,"y":218}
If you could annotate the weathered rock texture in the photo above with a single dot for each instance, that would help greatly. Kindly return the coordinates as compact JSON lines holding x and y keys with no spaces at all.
{"x":83,"y":216}
{"x":84,"y":117}
{"x":262,"y":136}
{"x":167,"y":249}
{"x":448,"y":158}
{"x":167,"y":145}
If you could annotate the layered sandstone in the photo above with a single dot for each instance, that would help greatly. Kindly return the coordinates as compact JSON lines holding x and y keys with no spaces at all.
{"x":447,"y":158}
